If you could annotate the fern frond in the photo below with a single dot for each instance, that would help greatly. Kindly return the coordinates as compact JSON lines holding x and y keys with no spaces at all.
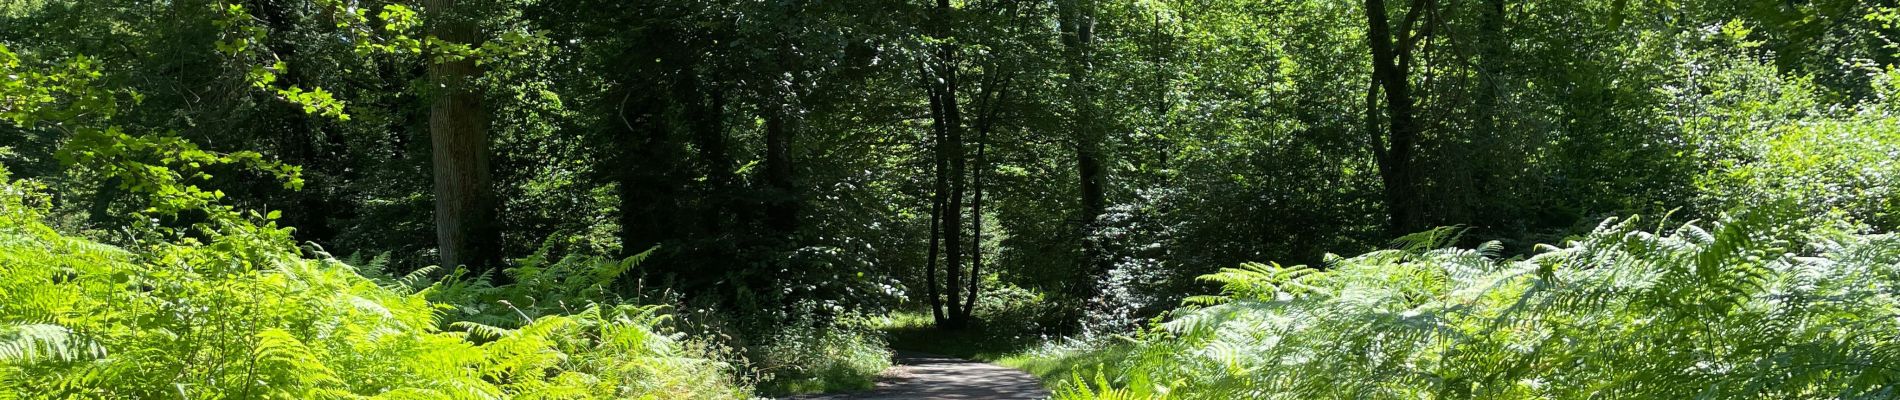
{"x":36,"y":342}
{"x":481,"y":331}
{"x":409,"y":282}
{"x":606,"y":273}
{"x":1432,"y":239}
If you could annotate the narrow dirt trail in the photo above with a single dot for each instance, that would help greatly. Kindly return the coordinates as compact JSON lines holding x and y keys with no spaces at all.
{"x":930,"y":376}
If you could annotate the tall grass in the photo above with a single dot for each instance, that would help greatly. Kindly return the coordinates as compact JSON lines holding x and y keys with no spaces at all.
{"x":1741,"y":309}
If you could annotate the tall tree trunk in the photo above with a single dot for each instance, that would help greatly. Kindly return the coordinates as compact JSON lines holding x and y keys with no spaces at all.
{"x":976,"y":230}
{"x":1491,"y":52}
{"x":464,"y":192}
{"x":644,"y":175}
{"x":939,"y":195}
{"x":988,"y":108}
{"x":1077,"y":23}
{"x":952,"y":148}
{"x":704,"y":211}
{"x":953,"y":211}
{"x":707,"y":114}
{"x":781,"y":211}
{"x":1497,"y":148}
{"x":1391,"y":66}
{"x":976,"y":215}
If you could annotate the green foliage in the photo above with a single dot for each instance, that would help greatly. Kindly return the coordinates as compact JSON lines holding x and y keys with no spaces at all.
{"x":807,"y":357}
{"x":196,"y":156}
{"x":1256,"y":281}
{"x":112,"y":155}
{"x":1100,"y":388}
{"x":31,"y":342}
{"x":165,"y":169}
{"x":1729,"y":312}
{"x":1834,"y":168}
{"x":1010,"y":315}
{"x":1008,"y":320}
{"x":244,"y":314}
{"x":34,"y":93}
{"x":541,"y":286}
{"x":232,"y":308}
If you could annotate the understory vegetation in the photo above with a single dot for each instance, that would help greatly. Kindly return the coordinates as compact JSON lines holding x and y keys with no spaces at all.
{"x":1785,"y":294}
{"x":244,"y":313}
{"x":1737,"y":308}
{"x":1131,"y":199}
{"x":816,"y":358}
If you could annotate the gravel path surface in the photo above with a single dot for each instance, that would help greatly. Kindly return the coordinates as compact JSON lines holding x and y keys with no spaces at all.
{"x":931,"y":376}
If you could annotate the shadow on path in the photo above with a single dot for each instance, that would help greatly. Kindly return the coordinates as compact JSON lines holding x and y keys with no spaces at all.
{"x":931,"y":376}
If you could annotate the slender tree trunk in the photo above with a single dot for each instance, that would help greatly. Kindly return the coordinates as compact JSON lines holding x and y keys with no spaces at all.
{"x":1375,"y":136}
{"x":953,"y":211}
{"x":952,"y":148}
{"x":989,"y":108}
{"x":464,"y":192}
{"x":930,"y":264}
{"x":1077,"y":20}
{"x":1391,"y":65}
{"x":1617,"y":8}
{"x":938,"y":197}
{"x":976,"y":217}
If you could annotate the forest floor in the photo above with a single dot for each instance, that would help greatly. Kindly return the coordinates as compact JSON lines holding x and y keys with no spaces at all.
{"x":931,"y":376}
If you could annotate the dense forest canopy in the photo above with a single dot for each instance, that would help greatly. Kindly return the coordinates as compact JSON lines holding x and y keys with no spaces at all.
{"x":1146,"y":198}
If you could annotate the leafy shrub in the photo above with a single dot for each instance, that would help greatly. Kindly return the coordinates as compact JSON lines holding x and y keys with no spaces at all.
{"x":1008,"y":319}
{"x":1841,"y":168}
{"x":1765,"y":138}
{"x":238,"y":311}
{"x":1728,"y":312}
{"x":1013,"y":314}
{"x":810,"y":357}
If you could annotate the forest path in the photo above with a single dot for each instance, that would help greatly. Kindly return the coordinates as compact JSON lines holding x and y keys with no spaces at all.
{"x":931,"y":376}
